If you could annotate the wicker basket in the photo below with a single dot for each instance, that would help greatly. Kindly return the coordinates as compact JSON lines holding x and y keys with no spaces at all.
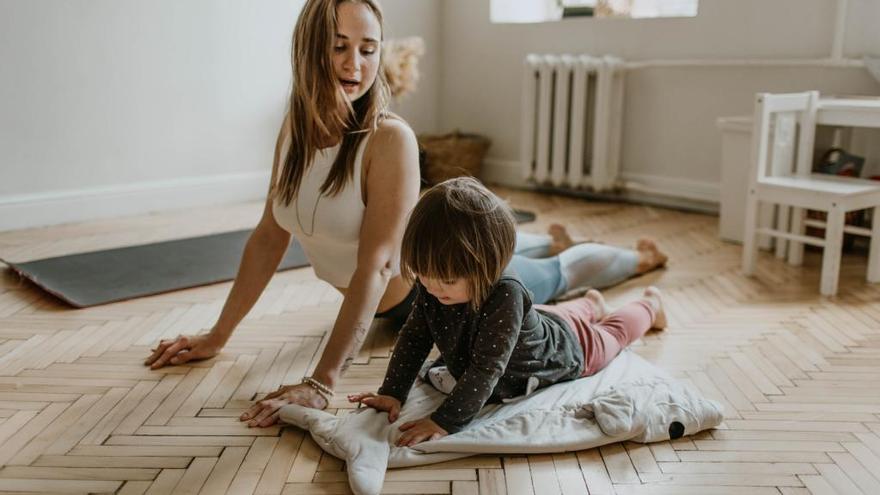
{"x":452,"y":155}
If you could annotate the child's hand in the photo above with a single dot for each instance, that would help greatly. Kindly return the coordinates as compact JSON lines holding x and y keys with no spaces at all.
{"x":419,"y":431}
{"x":378,"y":402}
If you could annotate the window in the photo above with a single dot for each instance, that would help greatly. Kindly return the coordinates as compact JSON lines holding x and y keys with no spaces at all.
{"x":523,"y":11}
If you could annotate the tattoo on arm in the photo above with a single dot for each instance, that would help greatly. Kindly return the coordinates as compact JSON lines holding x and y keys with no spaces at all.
{"x":360,"y":335}
{"x":347,"y":363}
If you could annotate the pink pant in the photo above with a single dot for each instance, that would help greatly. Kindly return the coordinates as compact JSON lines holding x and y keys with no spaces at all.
{"x":603,"y":340}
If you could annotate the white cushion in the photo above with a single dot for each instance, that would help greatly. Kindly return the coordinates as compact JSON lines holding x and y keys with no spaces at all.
{"x":630,"y":399}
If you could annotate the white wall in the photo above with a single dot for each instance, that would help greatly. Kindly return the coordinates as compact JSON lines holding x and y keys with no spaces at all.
{"x":112,"y":107}
{"x":104,"y":92}
{"x":669,"y":116}
{"x":405,"y":18}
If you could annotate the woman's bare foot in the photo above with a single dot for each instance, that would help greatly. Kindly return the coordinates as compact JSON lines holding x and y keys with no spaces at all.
{"x":561,"y":239}
{"x":650,"y":256}
{"x":654,"y":298}
{"x":597,"y":301}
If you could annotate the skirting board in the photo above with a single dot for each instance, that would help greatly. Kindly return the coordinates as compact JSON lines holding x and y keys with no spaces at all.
{"x":651,"y":189}
{"x":58,"y":207}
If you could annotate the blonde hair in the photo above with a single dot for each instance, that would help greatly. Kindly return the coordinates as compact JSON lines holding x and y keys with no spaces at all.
{"x":318,"y":106}
{"x":459,"y":229}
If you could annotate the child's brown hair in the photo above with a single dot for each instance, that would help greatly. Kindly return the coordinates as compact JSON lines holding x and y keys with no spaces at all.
{"x":459,"y":229}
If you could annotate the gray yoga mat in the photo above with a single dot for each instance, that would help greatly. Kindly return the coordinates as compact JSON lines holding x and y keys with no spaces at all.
{"x":100,"y":277}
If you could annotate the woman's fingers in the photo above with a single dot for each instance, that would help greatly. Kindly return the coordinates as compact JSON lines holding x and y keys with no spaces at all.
{"x":268,"y":407}
{"x":252,"y":411}
{"x":181,"y":344}
{"x":181,"y":357}
{"x":407,"y":425}
{"x":275,"y":394}
{"x":289,"y":394}
{"x":271,"y":420}
{"x":158,"y":351}
{"x":257,"y":408}
{"x":183,"y":349}
{"x":394,"y":413}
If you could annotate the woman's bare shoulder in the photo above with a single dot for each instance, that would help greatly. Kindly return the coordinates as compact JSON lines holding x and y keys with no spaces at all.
{"x":393,"y":140}
{"x":393,"y":129}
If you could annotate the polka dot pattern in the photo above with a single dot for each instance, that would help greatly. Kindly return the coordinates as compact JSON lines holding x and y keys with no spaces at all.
{"x":492,"y":352}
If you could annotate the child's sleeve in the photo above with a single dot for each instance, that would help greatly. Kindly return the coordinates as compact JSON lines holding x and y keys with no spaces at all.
{"x":497,"y":334}
{"x":412,"y":348}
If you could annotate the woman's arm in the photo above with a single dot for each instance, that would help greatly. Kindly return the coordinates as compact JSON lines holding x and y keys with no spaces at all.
{"x":392,"y":189}
{"x":263,"y":252}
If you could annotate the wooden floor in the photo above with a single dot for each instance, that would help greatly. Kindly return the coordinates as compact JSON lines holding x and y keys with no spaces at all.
{"x":798,"y":376}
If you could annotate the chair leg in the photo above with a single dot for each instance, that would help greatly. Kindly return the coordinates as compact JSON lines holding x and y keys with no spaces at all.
{"x":796,"y":249}
{"x":832,"y":251}
{"x":766,"y":218}
{"x":750,"y":236}
{"x":874,"y":252}
{"x":782,"y":225}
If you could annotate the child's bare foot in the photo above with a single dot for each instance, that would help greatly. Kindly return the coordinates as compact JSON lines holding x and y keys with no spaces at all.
{"x":597,"y":301}
{"x":561,"y":239}
{"x":650,"y":256}
{"x":654,"y":298}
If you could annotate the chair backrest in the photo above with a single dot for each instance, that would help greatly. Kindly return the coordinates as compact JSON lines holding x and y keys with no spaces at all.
{"x":791,"y":120}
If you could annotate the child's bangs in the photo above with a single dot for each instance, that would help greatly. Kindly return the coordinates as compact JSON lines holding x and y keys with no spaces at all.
{"x":438,"y":261}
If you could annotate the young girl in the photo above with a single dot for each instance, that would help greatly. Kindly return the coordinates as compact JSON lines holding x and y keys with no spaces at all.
{"x":459,"y":239}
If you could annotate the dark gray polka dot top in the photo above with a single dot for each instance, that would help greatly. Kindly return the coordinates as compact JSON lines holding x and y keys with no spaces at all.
{"x":492,"y":352}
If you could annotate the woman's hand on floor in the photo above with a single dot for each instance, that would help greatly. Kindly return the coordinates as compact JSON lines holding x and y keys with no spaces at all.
{"x":384,"y":403}
{"x":420,"y":431}
{"x":265,"y":412}
{"x":183,"y":349}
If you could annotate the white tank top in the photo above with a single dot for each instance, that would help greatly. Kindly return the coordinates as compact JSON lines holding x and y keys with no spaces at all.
{"x":327,"y":227}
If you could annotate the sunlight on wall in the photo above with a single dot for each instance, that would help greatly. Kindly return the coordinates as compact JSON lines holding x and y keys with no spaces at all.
{"x":527,"y":11}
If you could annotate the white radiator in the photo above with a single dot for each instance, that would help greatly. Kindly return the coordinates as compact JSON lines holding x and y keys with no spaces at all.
{"x":571,"y":121}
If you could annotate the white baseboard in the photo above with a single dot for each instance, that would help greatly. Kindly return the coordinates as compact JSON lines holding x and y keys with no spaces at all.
{"x":68,"y":206}
{"x":652,"y":189}
{"x":675,"y":187}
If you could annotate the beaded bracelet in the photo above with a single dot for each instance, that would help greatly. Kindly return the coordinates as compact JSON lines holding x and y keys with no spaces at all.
{"x":323,"y":390}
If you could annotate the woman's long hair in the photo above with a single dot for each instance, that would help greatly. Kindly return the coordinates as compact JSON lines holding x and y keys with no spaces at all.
{"x":318,"y":106}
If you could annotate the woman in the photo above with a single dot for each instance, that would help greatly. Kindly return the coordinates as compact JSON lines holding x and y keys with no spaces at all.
{"x":344,"y":179}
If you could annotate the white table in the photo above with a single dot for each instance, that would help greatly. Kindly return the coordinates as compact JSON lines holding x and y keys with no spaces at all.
{"x":849,"y":111}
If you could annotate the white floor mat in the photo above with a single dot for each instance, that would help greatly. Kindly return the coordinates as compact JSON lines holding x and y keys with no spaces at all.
{"x":631,"y":399}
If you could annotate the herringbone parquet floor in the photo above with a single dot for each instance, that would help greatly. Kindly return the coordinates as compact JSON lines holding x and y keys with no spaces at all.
{"x":797,"y":373}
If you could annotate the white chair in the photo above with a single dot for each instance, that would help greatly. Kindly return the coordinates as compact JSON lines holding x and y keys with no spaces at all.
{"x":779,"y":176}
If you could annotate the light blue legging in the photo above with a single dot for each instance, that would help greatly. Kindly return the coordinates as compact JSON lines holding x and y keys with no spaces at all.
{"x":583,"y":265}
